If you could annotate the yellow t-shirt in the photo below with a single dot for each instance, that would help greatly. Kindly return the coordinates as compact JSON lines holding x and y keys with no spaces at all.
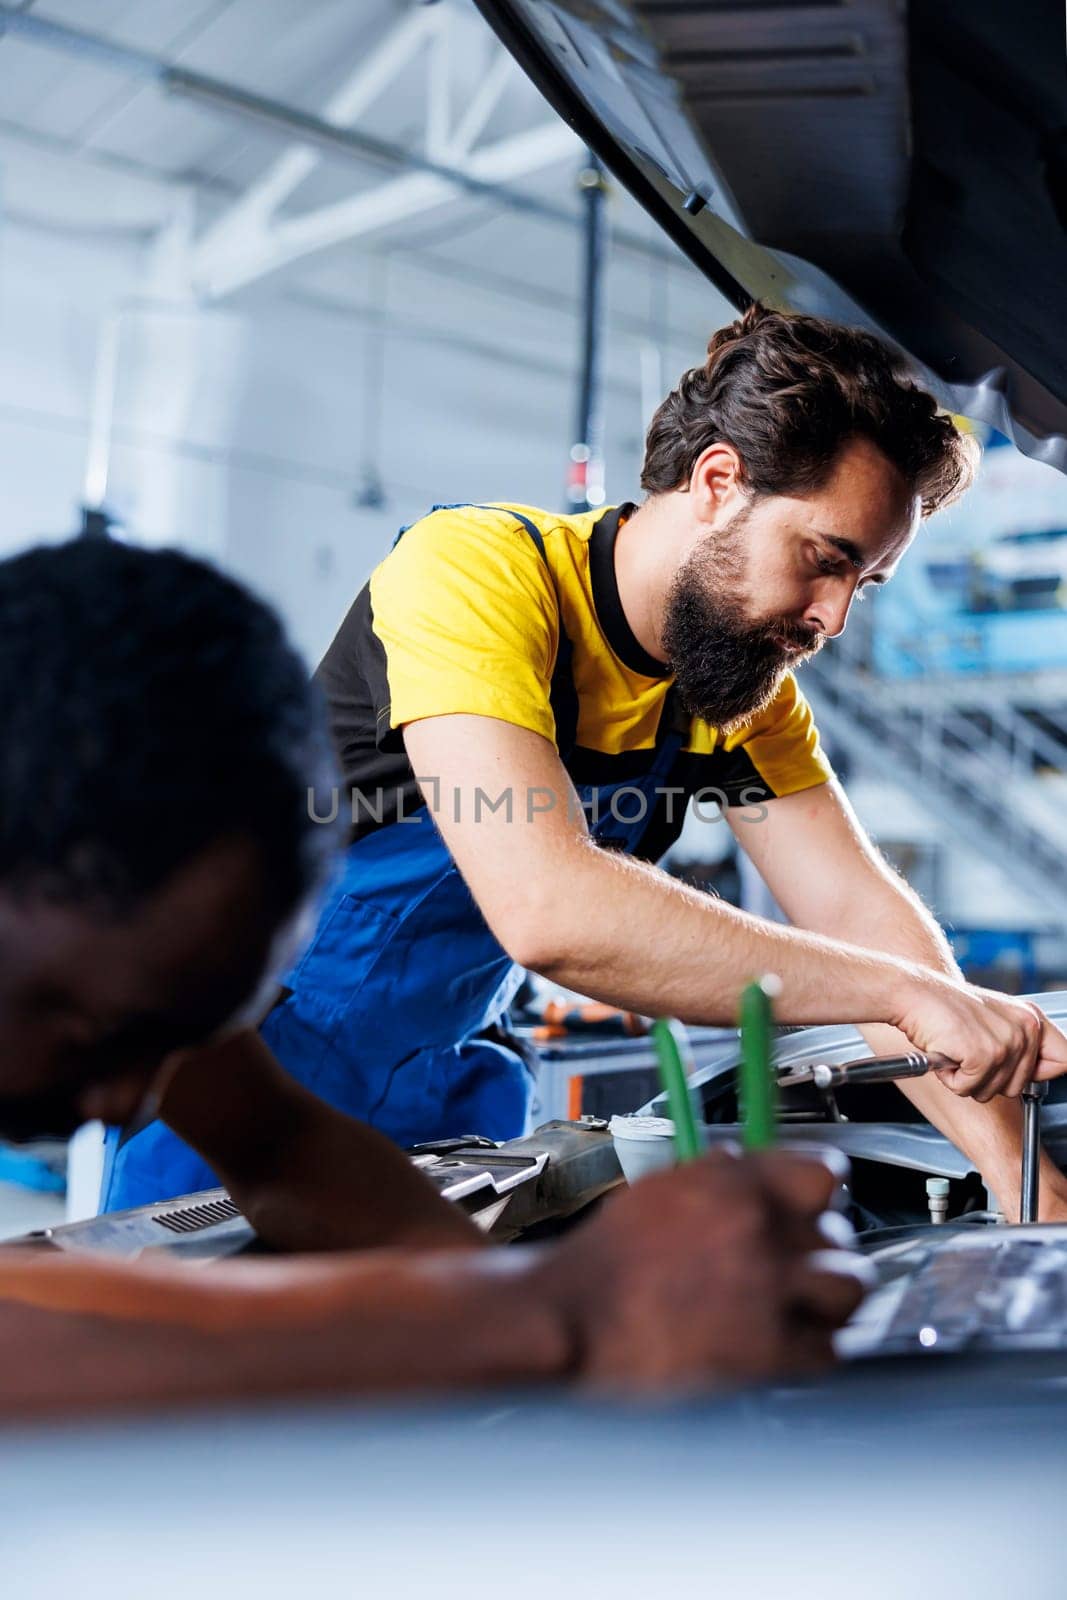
{"x":468,"y":614}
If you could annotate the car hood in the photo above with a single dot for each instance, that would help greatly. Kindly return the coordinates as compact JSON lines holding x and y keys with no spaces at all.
{"x":902,"y":167}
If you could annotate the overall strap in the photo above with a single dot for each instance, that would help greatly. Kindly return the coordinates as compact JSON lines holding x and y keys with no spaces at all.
{"x":675,"y":725}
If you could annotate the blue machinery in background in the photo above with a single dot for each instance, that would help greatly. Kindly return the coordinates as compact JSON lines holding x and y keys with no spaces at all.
{"x":995,"y":612}
{"x":29,"y":1172}
{"x":972,"y":643}
{"x":978,"y":950}
{"x":986,"y":598}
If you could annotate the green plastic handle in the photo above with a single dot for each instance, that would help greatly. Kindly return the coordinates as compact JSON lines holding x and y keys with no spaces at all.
{"x":671,"y":1049}
{"x":758,"y":1090}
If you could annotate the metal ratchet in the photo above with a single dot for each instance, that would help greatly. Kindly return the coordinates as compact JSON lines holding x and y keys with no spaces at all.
{"x":916,"y":1064}
{"x":865,"y":1069}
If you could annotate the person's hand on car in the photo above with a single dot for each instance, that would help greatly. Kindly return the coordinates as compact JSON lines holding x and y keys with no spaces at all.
{"x":723,"y":1271}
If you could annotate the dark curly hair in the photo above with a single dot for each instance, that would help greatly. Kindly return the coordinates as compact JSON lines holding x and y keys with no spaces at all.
{"x":149,"y":706}
{"x":788,"y":392}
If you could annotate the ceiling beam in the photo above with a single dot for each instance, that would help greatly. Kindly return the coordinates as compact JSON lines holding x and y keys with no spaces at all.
{"x":253,"y":239}
{"x":356,"y":95}
{"x":297,"y":126}
{"x":378,"y":207}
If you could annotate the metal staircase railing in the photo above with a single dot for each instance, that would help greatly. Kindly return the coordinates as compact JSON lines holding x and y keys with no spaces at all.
{"x":973,"y":758}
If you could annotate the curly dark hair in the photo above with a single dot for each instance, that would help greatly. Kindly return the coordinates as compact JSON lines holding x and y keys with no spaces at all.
{"x":149,"y":706}
{"x":788,"y":391}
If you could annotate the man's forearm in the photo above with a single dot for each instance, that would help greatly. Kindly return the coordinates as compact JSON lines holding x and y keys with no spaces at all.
{"x":656,"y":946}
{"x":720,"y":1272}
{"x":618,"y":929}
{"x":306,"y":1176}
{"x":85,"y":1335}
{"x":694,"y":953}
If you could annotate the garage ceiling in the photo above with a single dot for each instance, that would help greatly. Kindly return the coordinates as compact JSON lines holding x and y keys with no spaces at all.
{"x":111,"y":109}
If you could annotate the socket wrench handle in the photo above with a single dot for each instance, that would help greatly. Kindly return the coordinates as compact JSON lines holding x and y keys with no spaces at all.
{"x":1032,"y":1096}
{"x":866,"y":1069}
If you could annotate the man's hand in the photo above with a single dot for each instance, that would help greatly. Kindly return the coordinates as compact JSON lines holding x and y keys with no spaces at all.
{"x":1000,"y":1044}
{"x":723,"y":1271}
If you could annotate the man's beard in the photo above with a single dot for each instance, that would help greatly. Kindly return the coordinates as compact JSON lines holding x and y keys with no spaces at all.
{"x":727,"y":668}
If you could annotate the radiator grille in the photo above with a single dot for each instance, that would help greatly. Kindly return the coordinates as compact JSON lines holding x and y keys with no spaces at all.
{"x":190,"y":1219}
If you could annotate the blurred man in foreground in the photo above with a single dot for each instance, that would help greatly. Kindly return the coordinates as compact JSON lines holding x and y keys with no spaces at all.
{"x":156,"y":854}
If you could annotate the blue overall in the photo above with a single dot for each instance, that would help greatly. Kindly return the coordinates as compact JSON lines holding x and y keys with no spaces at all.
{"x":385,"y":1007}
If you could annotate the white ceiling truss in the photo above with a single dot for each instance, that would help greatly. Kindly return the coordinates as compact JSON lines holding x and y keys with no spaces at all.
{"x":451,"y":159}
{"x":251,"y":239}
{"x":436,"y":61}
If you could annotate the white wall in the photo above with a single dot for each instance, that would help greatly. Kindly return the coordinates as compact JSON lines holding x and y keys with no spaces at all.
{"x":53,"y":292}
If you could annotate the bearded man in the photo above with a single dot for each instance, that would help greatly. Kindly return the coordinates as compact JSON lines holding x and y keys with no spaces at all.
{"x":522,"y":705}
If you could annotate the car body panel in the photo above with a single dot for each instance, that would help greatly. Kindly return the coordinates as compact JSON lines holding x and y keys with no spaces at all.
{"x":899,"y":167}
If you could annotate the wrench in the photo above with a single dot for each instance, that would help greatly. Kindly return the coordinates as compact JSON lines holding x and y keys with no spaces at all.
{"x":1032,"y":1097}
{"x":886,"y":1069}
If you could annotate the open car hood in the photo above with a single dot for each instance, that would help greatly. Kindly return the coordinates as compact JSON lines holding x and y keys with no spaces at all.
{"x":903,"y":167}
